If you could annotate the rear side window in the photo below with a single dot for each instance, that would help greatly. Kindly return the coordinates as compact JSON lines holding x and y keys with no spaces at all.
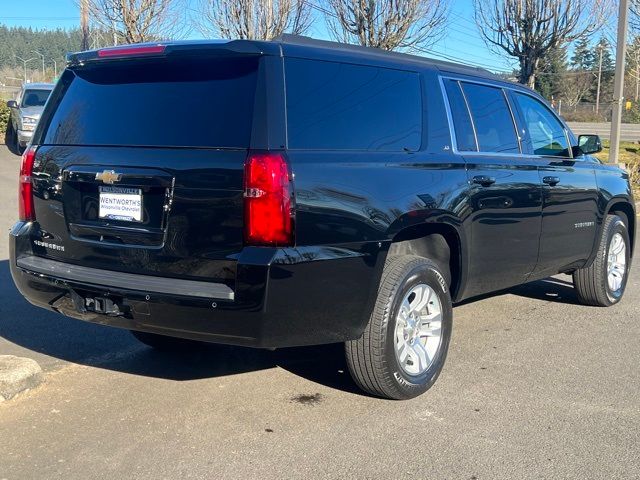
{"x":465,"y":137}
{"x":492,"y":119}
{"x":352,"y":107}
{"x":181,"y":102}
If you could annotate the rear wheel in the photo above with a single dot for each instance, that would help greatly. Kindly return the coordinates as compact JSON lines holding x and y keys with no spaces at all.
{"x":404,"y":346}
{"x":165,"y":343}
{"x":603,"y":282}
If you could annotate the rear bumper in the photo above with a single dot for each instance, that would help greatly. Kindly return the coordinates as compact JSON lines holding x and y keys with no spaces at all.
{"x":281,"y":297}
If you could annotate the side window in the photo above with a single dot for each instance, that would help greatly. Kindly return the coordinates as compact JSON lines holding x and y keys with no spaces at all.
{"x":342,"y":106}
{"x":492,"y":119}
{"x":545,"y":131}
{"x":465,"y":138}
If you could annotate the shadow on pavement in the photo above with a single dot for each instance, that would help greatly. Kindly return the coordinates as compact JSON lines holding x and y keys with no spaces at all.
{"x":9,"y":142}
{"x":75,"y":341}
{"x":550,"y":289}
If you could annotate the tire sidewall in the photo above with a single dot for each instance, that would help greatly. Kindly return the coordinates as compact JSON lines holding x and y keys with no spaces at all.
{"x":617,"y":226}
{"x":407,"y":385}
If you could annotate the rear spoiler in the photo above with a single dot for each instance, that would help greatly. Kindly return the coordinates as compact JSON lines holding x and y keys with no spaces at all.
{"x":166,"y":49}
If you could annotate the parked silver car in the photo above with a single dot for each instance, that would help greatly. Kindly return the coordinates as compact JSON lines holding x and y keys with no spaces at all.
{"x":25,"y":113}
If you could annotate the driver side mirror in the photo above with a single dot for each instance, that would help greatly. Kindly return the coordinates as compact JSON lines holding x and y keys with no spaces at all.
{"x":589,"y":144}
{"x":12,"y":104}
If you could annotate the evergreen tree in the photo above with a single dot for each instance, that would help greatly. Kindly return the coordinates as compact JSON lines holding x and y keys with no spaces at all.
{"x":608,"y":64}
{"x":583,"y":56}
{"x":22,"y":41}
{"x":602,"y":50}
{"x":549,"y":82}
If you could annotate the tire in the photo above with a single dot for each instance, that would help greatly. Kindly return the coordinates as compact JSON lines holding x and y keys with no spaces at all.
{"x":8,"y":135}
{"x":374,"y":359}
{"x":164,"y":343}
{"x":11,"y":139}
{"x":592,"y":283}
{"x":18,"y":148}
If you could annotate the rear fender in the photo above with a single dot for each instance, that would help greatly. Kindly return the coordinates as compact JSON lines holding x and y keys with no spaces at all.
{"x":420,"y":224}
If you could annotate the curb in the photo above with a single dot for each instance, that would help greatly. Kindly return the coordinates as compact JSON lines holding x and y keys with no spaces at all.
{"x":18,"y":374}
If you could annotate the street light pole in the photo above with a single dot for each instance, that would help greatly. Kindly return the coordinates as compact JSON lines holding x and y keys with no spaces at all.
{"x":41,"y":56}
{"x":55,"y":68}
{"x":24,"y":64}
{"x":618,"y":82}
{"x":600,"y":48}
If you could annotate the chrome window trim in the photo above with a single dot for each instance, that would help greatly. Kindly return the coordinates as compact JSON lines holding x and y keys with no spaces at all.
{"x":473,"y":122}
{"x":513,"y":119}
{"x":566,"y":135}
{"x":521,"y":155}
{"x":447,"y":108}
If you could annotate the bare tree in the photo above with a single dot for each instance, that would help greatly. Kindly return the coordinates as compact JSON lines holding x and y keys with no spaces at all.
{"x":576,"y":86}
{"x":528,"y":29}
{"x":253,"y":19}
{"x":133,"y":21}
{"x":634,"y":18}
{"x":387,"y":24}
{"x":633,"y":67}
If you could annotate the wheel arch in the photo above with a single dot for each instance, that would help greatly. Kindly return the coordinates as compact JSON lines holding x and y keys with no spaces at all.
{"x":441,"y":242}
{"x":622,"y":207}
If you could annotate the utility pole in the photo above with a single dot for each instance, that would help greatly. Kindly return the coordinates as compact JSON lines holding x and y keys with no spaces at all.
{"x":55,"y":68}
{"x":41,"y":56}
{"x":599,"y":79}
{"x":114,"y":31}
{"x":84,"y":24}
{"x":618,"y":82}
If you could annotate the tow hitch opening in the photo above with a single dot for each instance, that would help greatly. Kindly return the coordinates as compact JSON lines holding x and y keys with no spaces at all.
{"x":103,"y":305}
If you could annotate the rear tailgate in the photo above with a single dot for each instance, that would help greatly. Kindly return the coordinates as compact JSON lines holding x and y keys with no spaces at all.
{"x":140,"y":166}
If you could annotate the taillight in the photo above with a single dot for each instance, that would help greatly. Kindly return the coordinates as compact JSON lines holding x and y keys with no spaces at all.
{"x":267,"y":200}
{"x":25,"y":187}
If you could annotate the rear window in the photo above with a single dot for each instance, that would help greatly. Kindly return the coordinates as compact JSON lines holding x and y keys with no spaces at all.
{"x":352,"y":107}
{"x":178,"y":102}
{"x":35,"y":98}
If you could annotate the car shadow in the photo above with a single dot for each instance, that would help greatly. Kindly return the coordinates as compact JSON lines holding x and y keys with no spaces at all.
{"x":551,"y":289}
{"x":84,"y":343}
{"x":71,"y":340}
{"x":9,"y":142}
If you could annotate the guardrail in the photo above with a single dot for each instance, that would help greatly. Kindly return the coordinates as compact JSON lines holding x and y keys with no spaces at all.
{"x":630,"y":132}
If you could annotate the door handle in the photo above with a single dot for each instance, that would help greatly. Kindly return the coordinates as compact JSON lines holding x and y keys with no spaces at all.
{"x":483,"y":180}
{"x":551,"y":180}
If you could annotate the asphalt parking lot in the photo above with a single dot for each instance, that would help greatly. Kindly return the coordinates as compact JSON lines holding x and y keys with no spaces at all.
{"x":535,"y":386}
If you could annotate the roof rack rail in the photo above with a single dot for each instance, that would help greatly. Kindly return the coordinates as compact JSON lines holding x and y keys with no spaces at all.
{"x":302,"y":40}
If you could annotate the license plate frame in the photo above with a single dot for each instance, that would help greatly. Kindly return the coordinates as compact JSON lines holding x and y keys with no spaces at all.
{"x":120,"y":203}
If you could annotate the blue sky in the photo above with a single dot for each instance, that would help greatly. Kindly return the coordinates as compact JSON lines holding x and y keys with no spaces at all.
{"x":461,"y":42}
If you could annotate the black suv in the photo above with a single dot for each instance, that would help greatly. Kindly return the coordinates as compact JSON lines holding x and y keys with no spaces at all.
{"x":298,"y":192}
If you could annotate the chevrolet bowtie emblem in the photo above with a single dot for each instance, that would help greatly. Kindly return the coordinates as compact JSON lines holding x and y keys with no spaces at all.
{"x":109,"y":176}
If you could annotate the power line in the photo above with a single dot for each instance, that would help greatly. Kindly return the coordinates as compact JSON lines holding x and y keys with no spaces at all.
{"x":420,"y":49}
{"x":39,"y":18}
